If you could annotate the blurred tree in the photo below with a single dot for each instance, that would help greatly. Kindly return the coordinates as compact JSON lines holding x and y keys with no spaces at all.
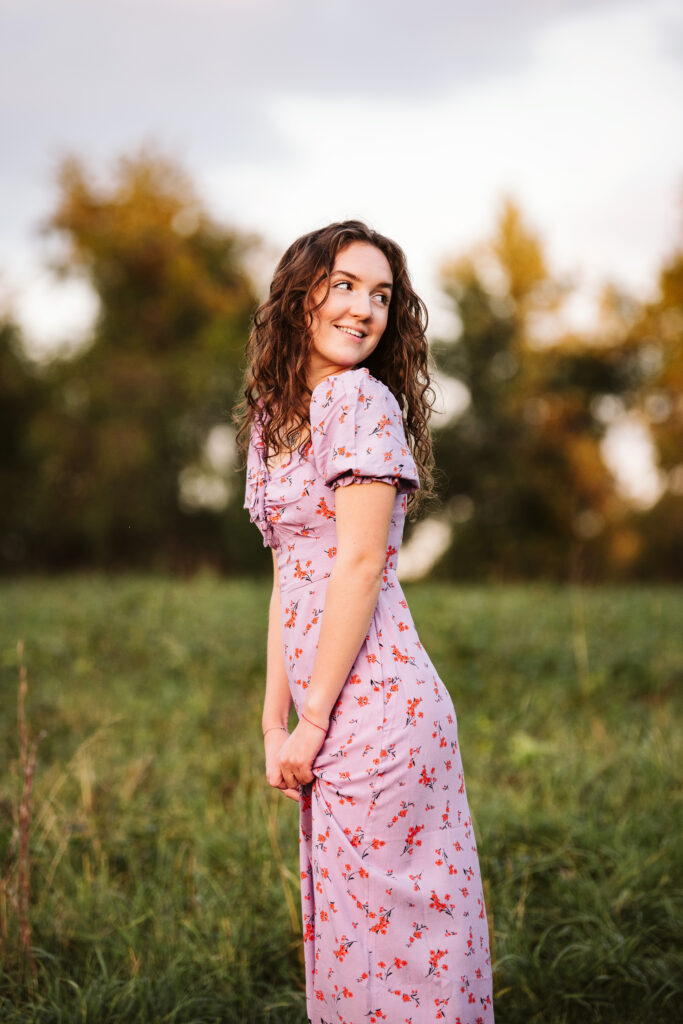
{"x":655,"y":341}
{"x":22,"y":395}
{"x":126,"y":474}
{"x":121,"y":455}
{"x":526,"y":488}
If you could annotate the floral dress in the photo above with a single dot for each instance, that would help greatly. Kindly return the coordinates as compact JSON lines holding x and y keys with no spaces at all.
{"x":394,"y":920}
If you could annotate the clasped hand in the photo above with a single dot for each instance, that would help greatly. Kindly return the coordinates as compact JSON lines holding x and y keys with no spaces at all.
{"x":289,"y":758}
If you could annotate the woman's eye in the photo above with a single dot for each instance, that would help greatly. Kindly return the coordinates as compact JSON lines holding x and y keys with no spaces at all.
{"x":347,"y":286}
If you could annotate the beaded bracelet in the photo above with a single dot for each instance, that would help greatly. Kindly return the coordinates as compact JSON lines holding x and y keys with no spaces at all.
{"x":271,"y":727}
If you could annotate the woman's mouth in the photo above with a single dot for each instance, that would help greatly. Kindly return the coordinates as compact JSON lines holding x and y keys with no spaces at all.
{"x":350,"y":330}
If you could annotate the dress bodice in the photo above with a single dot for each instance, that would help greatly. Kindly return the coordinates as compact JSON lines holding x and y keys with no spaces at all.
{"x":357,"y":436}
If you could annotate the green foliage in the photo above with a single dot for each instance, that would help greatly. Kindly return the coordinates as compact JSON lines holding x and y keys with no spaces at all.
{"x":22,"y":396}
{"x":120,"y":422}
{"x":656,"y":341}
{"x":109,"y":457}
{"x":525,"y":484}
{"x":165,"y":874}
{"x":522,"y":464}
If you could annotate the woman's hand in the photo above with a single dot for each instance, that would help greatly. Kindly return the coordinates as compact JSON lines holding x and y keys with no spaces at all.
{"x":274,"y":740}
{"x":297,"y":753}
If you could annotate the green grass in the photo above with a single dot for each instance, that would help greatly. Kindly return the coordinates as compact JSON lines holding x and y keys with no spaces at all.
{"x":165,"y":873}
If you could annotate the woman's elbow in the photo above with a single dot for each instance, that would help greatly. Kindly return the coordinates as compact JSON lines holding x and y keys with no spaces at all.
{"x":365,"y":566}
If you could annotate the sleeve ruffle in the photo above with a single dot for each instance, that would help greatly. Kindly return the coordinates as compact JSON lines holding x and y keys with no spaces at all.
{"x":255,"y":490}
{"x":358,"y":435}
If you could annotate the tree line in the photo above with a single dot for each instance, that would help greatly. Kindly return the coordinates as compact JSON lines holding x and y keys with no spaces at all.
{"x":121,"y":455}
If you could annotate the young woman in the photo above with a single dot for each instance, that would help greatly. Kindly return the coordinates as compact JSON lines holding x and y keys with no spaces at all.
{"x":336,"y":393}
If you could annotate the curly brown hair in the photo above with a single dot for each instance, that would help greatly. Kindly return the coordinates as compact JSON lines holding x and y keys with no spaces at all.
{"x":275,"y":385}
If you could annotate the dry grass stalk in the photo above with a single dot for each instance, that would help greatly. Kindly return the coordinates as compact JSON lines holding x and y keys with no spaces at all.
{"x":27,"y":760}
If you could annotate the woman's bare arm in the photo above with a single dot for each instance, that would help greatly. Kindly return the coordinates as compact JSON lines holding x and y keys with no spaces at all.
{"x":363,"y":519}
{"x":277,"y":701}
{"x":363,"y":514}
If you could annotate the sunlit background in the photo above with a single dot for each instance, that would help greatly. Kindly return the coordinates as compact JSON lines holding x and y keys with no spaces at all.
{"x":156,"y":157}
{"x":534,"y":139}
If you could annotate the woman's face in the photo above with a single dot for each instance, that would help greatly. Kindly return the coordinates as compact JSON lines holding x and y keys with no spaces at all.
{"x":351,"y":321}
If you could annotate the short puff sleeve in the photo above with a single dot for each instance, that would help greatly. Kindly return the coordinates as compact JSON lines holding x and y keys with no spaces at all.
{"x":357,"y":433}
{"x":255,"y":490}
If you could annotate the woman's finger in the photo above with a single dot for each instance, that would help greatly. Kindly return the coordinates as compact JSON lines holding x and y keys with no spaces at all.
{"x":291,"y":781}
{"x":274,"y":778}
{"x":295,"y":774}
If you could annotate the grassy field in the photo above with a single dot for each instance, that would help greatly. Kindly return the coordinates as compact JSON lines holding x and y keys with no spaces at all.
{"x":165,"y":873}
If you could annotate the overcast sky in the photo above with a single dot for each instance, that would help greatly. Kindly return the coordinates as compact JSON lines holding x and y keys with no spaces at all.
{"x":416,"y":116}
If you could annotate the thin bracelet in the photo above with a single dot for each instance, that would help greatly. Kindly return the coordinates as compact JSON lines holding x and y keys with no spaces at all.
{"x":271,"y":727}
{"x":312,"y":723}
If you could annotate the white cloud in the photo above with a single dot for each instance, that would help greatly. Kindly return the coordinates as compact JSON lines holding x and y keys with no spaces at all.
{"x":582,"y":138}
{"x":421,"y":129}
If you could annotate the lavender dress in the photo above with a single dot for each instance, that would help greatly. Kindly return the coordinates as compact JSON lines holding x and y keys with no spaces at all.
{"x":393,"y":912}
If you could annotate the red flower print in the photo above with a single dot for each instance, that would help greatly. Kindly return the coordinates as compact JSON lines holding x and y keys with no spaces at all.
{"x":303,"y":574}
{"x":435,"y":966}
{"x":384,"y":908}
{"x":441,"y":905}
{"x":402,"y":656}
{"x":412,"y":840}
{"x":323,"y":509}
{"x":383,"y":923}
{"x":411,"y":709}
{"x":441,"y":1006}
{"x":418,"y":930}
{"x":343,"y":948}
{"x":374,"y":844}
{"x":382,"y":424}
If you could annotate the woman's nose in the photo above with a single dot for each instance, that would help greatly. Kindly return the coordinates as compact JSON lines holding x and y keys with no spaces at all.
{"x":360,"y":304}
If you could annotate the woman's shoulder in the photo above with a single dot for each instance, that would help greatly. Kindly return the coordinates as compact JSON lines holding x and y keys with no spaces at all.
{"x":357,"y":432}
{"x":353,"y":400}
{"x":353,"y":386}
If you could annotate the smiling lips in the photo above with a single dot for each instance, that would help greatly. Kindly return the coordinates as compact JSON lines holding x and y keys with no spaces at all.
{"x":350,"y":330}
